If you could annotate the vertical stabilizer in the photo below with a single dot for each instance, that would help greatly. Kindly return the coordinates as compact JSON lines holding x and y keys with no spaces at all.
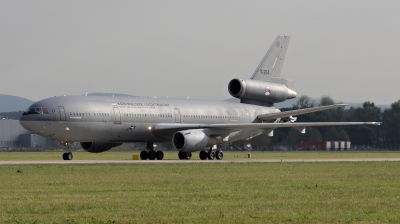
{"x":271,"y":65}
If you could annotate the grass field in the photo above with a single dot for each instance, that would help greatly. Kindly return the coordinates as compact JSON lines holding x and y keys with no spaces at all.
{"x":112,"y":155}
{"x":366,"y":192}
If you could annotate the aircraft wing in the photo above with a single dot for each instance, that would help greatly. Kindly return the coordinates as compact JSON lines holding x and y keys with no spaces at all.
{"x":242,"y":126}
{"x":276,"y":115}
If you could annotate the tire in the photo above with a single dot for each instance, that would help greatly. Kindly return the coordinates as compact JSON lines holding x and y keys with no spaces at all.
{"x":159,"y":155}
{"x":203,"y":155}
{"x":181,"y":155}
{"x":185,"y":155}
{"x":70,"y":156}
{"x":219,"y":155}
{"x":143,"y":155}
{"x":67,"y":156}
{"x":211,"y":155}
{"x":152,"y":154}
{"x":188,"y":155}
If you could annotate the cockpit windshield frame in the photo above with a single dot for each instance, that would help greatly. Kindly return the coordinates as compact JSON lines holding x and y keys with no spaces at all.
{"x":36,"y":110}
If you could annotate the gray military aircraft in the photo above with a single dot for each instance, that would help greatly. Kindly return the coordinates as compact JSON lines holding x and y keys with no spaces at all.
{"x":100,"y":123}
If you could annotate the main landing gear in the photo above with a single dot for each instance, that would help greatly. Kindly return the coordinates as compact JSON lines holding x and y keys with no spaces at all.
{"x":67,"y":155}
{"x":211,"y":154}
{"x":150,"y":153}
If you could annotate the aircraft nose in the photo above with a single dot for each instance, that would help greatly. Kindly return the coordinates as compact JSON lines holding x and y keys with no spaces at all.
{"x":24,"y":121}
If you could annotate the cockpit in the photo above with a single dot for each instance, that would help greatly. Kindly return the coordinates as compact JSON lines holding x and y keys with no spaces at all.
{"x":36,"y":110}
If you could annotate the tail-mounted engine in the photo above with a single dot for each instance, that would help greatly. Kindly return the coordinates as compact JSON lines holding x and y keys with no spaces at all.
{"x":259,"y":92}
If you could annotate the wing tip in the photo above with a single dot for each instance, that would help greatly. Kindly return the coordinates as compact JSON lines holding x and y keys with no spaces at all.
{"x":375,"y":123}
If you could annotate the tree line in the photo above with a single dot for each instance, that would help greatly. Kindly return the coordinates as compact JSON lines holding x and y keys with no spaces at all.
{"x":385,"y":136}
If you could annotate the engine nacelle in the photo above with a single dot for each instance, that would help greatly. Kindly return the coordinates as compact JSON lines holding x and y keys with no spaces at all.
{"x":96,"y":147}
{"x":256,"y":90}
{"x":192,"y":140}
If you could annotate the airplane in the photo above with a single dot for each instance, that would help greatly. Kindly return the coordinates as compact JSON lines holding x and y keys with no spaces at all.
{"x":100,"y":123}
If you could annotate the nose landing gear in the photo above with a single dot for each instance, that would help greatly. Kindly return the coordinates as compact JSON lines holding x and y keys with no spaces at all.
{"x":67,"y":155}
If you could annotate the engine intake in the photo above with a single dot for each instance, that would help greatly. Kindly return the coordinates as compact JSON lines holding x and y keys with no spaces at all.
{"x":256,"y":90}
{"x":96,"y":147}
{"x":192,"y":140}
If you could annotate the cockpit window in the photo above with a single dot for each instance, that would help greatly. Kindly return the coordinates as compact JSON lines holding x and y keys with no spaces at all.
{"x":36,"y":110}
{"x":39,"y":110}
{"x":45,"y":110}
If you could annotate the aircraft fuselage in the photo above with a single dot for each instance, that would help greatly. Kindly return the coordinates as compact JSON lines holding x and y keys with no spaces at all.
{"x":132,"y":119}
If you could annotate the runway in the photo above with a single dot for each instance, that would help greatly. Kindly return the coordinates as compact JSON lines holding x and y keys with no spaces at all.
{"x":33,"y":162}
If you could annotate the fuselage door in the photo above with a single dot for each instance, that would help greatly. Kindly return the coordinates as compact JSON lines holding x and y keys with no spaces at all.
{"x":62,"y":113}
{"x":177,"y":115}
{"x":117,"y":116}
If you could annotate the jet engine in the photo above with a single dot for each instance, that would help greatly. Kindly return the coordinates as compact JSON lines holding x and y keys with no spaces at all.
{"x":192,"y":140}
{"x":249,"y":90}
{"x":96,"y":147}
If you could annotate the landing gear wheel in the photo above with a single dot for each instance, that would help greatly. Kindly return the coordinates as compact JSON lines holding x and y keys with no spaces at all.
{"x":143,"y":155}
{"x":219,"y":155}
{"x":185,"y":155}
{"x":211,"y":155}
{"x":152,"y":154}
{"x":67,"y":156}
{"x":203,"y":155}
{"x":159,"y":155}
{"x":181,"y":155}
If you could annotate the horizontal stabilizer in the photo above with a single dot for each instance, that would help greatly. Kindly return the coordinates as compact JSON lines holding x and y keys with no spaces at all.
{"x":277,"y":115}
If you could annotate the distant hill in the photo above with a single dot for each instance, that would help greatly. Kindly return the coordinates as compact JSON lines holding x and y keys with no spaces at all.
{"x":10,"y":103}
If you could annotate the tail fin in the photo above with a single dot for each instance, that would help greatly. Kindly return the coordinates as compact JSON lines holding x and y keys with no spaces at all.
{"x":270,"y":67}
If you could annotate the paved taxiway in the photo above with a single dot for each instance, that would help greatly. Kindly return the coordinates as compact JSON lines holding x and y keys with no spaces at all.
{"x":197,"y":161}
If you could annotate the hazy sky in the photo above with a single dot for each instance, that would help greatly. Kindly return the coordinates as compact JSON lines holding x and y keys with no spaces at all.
{"x":349,"y":50}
